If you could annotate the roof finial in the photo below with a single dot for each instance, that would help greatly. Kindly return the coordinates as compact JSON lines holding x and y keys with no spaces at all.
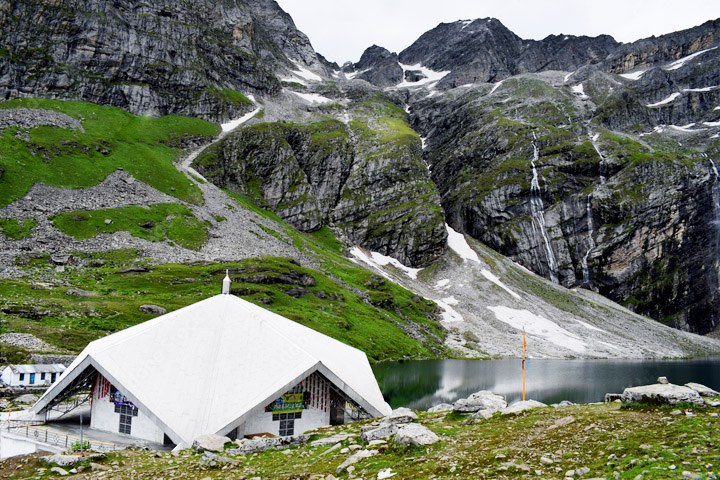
{"x":226,"y":284}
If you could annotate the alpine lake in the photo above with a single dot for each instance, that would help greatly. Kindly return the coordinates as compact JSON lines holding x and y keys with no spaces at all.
{"x":421,"y":384}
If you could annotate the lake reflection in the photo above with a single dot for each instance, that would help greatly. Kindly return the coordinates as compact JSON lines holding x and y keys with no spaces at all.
{"x":424,"y":383}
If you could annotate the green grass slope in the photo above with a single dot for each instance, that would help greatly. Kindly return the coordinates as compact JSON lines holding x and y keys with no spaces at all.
{"x":143,"y":146}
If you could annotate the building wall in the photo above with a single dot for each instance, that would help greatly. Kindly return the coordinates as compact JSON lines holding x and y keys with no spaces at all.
{"x":13,"y":379}
{"x":104,"y":417}
{"x":314,"y":411}
{"x":262,"y":422}
{"x":7,"y":376}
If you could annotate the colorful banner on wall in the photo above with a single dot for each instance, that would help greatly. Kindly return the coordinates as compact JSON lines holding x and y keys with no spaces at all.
{"x":121,"y":400}
{"x":288,"y":403}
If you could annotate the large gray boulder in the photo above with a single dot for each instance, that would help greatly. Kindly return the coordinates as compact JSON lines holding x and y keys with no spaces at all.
{"x":400,"y":415}
{"x":415,"y":434}
{"x":702,"y":389}
{"x":661,"y":394}
{"x":212,"y":443}
{"x":443,"y":407}
{"x":152,"y":309}
{"x":70,"y":460}
{"x":522,"y":406}
{"x":482,"y":400}
{"x":332,"y":440}
{"x":260,"y":444}
{"x":377,"y":432}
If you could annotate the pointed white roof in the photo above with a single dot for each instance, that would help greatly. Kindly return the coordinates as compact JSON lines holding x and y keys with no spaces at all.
{"x":203,"y":368}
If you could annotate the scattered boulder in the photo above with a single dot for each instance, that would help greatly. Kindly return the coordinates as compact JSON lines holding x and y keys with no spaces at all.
{"x":210,"y":459}
{"x":70,"y":460}
{"x":60,"y":258}
{"x":97,"y":467}
{"x":78,"y":292}
{"x":152,"y":309}
{"x":356,"y":457}
{"x":211,"y":442}
{"x":561,"y":422}
{"x":482,"y":400}
{"x":260,"y":444}
{"x":522,"y":406}
{"x":702,"y":389}
{"x":376,"y":432}
{"x":663,"y":381}
{"x":443,"y":407}
{"x":484,"y":414}
{"x":661,"y":394}
{"x":60,"y":471}
{"x":400,"y":415}
{"x":611,"y":397}
{"x":321,"y":442}
{"x":415,"y":434}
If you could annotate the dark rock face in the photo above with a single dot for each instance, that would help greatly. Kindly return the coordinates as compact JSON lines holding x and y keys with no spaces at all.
{"x":630,"y":216}
{"x":379,"y":67}
{"x":378,"y":195}
{"x":652,"y":51}
{"x":483,"y":50}
{"x":148,"y":58}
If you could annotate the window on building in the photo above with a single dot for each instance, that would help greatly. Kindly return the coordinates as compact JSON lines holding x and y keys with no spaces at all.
{"x":52,"y":377}
{"x":22,"y":377}
{"x":42,"y":376}
{"x":287,"y":427}
{"x":126,"y":413}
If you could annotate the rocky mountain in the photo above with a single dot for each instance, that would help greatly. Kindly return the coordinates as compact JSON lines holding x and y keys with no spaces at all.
{"x":157,"y":58}
{"x":481,"y":50}
{"x":587,"y":162}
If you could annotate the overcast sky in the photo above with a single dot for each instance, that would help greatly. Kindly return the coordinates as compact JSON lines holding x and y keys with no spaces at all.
{"x":342,"y":29}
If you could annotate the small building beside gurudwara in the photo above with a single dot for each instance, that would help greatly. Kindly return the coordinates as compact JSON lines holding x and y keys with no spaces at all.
{"x":219,"y":366}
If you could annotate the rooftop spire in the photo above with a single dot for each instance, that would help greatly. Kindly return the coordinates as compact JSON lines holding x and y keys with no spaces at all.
{"x":226,"y":284}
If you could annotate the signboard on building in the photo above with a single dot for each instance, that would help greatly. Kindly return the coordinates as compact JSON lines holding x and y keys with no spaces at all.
{"x":288,"y":403}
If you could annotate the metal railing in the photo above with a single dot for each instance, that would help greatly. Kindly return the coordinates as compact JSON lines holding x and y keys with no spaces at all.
{"x":32,"y":431}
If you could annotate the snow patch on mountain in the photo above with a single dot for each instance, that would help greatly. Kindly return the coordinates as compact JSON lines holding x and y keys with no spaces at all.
{"x":665,"y":101}
{"x":431,"y":76}
{"x":378,"y":260}
{"x":633,"y":75}
{"x":540,"y":326}
{"x":313,"y":98}
{"x":682,"y":61}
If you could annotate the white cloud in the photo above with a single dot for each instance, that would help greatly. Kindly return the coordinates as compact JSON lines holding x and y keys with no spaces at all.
{"x":342,"y":29}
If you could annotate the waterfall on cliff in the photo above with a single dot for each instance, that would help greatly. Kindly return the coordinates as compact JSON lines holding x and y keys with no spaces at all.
{"x":590,"y":243}
{"x":716,"y":219}
{"x":537,"y":213}
{"x":593,"y":140}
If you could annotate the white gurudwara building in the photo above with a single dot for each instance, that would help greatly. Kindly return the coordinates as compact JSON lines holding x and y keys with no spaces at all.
{"x":220,"y":366}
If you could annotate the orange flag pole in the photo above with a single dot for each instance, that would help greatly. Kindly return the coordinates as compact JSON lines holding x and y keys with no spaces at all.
{"x":524,"y":345}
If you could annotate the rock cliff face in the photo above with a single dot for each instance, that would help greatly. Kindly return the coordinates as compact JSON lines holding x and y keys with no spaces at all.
{"x":484,"y":50}
{"x":589,"y":162}
{"x":588,"y":183}
{"x":379,"y":67}
{"x":185,"y":57}
{"x":367,"y":178}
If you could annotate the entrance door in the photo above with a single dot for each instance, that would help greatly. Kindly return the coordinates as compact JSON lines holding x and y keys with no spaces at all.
{"x":337,"y":413}
{"x":32,"y":378}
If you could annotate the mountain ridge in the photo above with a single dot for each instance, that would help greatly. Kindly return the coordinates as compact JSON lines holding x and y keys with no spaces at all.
{"x":591,"y":178}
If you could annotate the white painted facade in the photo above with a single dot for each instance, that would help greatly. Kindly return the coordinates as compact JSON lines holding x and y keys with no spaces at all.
{"x":236,"y":359}
{"x":31,"y":375}
{"x":262,"y":422}
{"x":104,"y":415}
